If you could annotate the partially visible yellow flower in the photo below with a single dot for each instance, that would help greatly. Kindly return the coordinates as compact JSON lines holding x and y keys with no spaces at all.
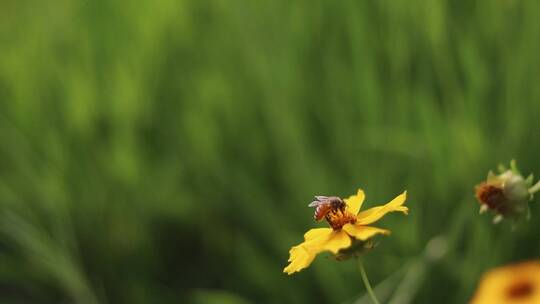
{"x":348,"y":225}
{"x":513,"y":284}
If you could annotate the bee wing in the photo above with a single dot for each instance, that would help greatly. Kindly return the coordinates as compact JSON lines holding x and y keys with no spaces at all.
{"x":318,"y":203}
{"x":321,"y":197}
{"x":314,"y":204}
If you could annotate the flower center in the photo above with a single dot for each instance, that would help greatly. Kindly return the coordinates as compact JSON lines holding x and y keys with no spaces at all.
{"x":490,"y":195}
{"x":338,"y":218}
{"x":520,"y":290}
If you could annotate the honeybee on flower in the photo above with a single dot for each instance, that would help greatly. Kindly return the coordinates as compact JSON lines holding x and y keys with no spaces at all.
{"x":348,"y":227}
{"x":507,"y":194}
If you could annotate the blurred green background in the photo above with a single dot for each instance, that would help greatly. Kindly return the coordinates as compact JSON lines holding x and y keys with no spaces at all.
{"x":166,"y":151}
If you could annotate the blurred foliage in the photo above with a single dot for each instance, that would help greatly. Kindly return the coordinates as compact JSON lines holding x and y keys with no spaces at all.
{"x":165,"y":151}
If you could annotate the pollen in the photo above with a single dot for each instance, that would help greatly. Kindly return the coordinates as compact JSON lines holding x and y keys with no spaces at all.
{"x":339,"y":218}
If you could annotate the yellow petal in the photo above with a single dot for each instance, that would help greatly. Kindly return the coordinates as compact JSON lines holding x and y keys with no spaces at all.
{"x":300,"y":259}
{"x":363,"y":232}
{"x":337,"y":241}
{"x":316,"y":232}
{"x":354,"y":202}
{"x":302,"y":255}
{"x":317,"y":240}
{"x":374,"y":214}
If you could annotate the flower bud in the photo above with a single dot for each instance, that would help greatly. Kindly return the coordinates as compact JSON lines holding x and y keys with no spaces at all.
{"x":507,"y":194}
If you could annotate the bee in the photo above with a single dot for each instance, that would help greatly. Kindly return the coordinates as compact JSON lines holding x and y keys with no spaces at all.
{"x":325,"y":205}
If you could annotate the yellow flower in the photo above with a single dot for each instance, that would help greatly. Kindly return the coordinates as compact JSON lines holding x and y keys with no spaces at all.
{"x":518,"y":283}
{"x":348,"y":224}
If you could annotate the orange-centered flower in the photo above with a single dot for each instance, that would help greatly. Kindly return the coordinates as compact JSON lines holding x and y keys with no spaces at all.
{"x":519,"y":283}
{"x":347,"y":225}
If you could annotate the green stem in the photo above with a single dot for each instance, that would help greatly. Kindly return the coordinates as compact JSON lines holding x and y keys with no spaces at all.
{"x":366,"y":283}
